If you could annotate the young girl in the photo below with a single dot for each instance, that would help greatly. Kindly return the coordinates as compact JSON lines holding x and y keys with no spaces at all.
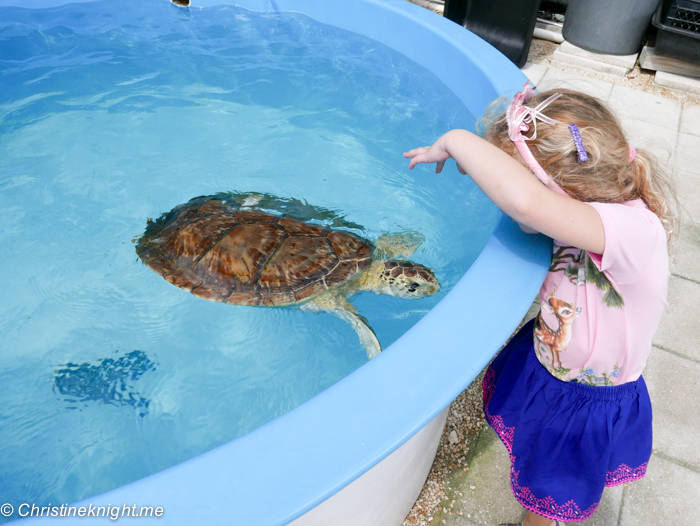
{"x":566,"y":395}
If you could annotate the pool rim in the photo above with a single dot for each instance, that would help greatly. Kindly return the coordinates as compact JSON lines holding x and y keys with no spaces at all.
{"x":310,"y":453}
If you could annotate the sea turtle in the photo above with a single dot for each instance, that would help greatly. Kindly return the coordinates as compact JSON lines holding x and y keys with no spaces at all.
{"x":224,"y":251}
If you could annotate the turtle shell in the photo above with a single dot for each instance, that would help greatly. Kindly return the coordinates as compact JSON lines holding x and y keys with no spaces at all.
{"x":249,"y":257}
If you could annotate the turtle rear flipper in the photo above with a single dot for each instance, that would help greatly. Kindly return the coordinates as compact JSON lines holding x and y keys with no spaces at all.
{"x":338,"y":306}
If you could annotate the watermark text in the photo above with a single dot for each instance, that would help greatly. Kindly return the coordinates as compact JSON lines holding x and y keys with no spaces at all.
{"x":65,"y":510}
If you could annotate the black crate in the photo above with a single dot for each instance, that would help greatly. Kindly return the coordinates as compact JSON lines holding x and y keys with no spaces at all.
{"x":678,"y":24}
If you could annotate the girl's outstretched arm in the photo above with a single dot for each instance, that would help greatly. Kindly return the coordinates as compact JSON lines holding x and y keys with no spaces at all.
{"x":516,"y":190}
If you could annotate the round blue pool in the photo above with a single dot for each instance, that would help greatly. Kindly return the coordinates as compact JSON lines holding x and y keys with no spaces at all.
{"x":354,"y":413}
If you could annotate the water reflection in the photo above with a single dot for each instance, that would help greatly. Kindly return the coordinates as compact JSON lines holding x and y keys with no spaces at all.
{"x":110,"y":381}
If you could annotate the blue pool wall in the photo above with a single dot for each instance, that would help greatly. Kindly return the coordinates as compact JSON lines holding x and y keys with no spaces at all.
{"x":281,"y":470}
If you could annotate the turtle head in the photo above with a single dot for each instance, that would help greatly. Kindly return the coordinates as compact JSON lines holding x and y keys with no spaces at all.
{"x":407,"y":279}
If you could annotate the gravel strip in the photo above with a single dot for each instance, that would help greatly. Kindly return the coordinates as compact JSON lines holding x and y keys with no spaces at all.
{"x":465,"y":421}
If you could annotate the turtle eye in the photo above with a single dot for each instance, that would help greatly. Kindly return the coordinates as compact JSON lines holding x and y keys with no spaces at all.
{"x":413,"y":286}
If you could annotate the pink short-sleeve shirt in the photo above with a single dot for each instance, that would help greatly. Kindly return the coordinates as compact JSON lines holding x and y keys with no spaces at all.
{"x":599,"y":313}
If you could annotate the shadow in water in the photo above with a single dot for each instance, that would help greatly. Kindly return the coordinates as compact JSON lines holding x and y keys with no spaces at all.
{"x":281,"y":206}
{"x":108,"y":382}
{"x":284,"y":206}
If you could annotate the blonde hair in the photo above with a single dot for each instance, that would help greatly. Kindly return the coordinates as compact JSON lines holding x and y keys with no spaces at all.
{"x":608,"y":176}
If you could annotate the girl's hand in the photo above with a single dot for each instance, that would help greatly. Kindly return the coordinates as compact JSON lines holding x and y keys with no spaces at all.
{"x":430,"y":154}
{"x":516,"y":190}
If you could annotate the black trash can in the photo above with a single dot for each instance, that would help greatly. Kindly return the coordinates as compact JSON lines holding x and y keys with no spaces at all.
{"x":610,"y":27}
{"x":505,"y":24}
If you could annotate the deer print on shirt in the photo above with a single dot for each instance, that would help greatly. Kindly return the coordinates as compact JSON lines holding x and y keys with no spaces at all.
{"x":556,"y":339}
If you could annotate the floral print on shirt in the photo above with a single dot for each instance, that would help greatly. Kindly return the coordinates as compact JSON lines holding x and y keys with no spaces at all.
{"x":552,"y":339}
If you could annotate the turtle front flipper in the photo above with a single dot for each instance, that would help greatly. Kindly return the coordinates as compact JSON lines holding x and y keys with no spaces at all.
{"x":340,"y":307}
{"x":367,"y":337}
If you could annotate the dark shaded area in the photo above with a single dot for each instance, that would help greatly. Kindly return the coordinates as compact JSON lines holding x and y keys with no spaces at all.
{"x":507,"y":25}
{"x":554,"y":6}
{"x":678,"y":30}
{"x":183,"y":3}
{"x":108,"y":382}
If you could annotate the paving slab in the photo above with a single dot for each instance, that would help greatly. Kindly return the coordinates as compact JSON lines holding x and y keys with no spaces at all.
{"x":685,"y":253}
{"x":678,"y":82}
{"x":688,"y":184}
{"x":534,"y":72}
{"x":661,"y":142}
{"x":679,"y":331}
{"x":667,"y":496}
{"x":688,"y":153}
{"x":555,"y":78}
{"x":624,"y":61}
{"x":687,"y":175}
{"x":647,"y":107}
{"x":674,"y":388}
{"x":603,"y":68}
{"x":482,"y":494}
{"x":690,"y":119}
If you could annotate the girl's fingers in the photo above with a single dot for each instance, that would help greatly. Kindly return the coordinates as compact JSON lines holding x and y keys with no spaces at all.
{"x":416,"y":151}
{"x":422,"y":155}
{"x":413,"y":162}
{"x":430,"y":154}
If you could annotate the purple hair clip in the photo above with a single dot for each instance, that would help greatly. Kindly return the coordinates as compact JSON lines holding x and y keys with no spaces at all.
{"x":578,"y":141}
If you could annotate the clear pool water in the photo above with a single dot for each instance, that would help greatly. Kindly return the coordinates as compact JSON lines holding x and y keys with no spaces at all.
{"x":108,"y":372}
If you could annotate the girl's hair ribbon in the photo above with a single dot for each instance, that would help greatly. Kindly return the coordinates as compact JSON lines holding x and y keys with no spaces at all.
{"x":520,"y":118}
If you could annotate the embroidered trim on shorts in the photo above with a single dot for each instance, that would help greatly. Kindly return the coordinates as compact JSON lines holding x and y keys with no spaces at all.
{"x":625,"y":474}
{"x":547,"y":507}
